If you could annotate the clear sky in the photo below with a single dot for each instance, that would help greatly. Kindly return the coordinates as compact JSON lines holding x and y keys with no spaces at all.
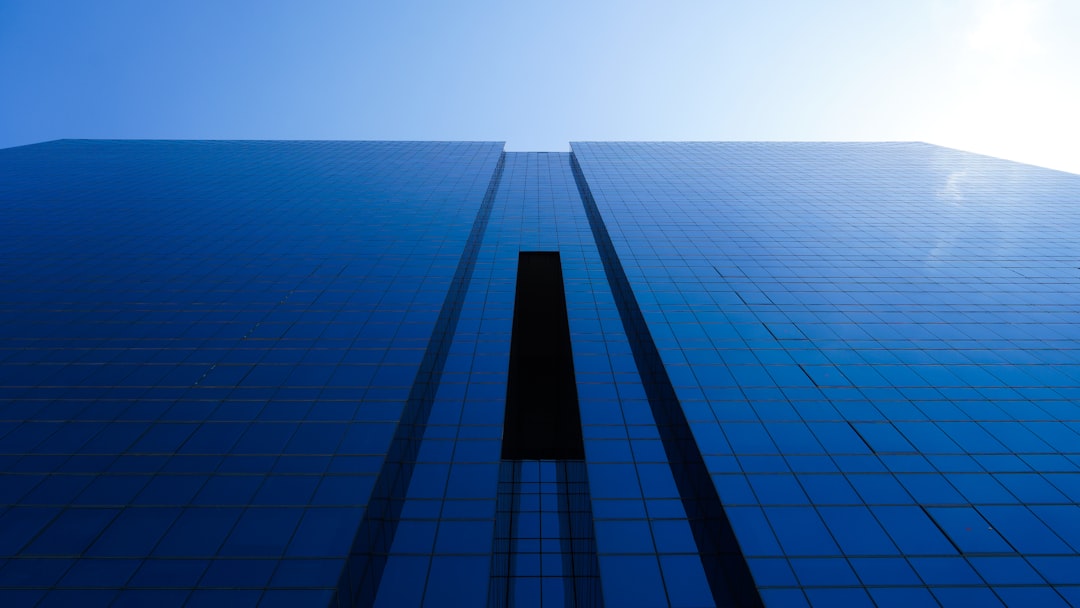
{"x":1001,"y":77}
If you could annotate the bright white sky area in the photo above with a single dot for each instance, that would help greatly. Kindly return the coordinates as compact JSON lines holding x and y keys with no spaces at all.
{"x":999,"y":77}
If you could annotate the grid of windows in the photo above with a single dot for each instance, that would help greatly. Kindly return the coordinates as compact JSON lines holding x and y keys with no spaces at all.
{"x":206,"y":348}
{"x":275,"y":374}
{"x":545,"y":550}
{"x":876,"y":346}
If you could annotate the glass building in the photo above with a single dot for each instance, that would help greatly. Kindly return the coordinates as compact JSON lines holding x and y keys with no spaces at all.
{"x":383,"y":374}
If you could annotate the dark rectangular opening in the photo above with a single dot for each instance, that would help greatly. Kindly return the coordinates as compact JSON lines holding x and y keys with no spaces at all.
{"x":542,"y":418}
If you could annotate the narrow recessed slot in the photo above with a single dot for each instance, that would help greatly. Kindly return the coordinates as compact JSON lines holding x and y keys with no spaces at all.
{"x":542,"y":418}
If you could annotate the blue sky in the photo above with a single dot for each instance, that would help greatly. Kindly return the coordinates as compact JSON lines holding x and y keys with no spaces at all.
{"x":1001,"y":77}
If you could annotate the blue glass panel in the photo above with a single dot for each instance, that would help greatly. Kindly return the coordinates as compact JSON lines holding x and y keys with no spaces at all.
{"x":630,"y":580}
{"x":216,"y":357}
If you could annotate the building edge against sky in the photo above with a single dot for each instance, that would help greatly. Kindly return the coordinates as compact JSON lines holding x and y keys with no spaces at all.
{"x":276,"y":373}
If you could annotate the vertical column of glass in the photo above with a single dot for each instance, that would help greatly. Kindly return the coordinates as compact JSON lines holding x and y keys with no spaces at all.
{"x":545,"y":549}
{"x":442,"y":553}
{"x":646,"y":551}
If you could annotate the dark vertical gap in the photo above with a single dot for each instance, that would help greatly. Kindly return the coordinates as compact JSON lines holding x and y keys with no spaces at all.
{"x":542,"y":418}
{"x":359,"y":580}
{"x":542,"y":434}
{"x":725,"y":566}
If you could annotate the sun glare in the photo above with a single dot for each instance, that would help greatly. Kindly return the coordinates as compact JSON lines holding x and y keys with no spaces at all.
{"x":1005,"y":30}
{"x":1010,"y":100}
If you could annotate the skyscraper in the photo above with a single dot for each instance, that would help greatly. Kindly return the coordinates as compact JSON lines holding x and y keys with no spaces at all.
{"x":440,"y":374}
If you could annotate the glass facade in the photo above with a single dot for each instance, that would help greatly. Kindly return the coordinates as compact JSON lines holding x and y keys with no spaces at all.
{"x":276,"y":374}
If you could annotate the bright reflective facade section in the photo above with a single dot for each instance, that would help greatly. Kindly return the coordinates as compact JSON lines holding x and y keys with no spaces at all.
{"x":275,"y":374}
{"x":876,"y":347}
